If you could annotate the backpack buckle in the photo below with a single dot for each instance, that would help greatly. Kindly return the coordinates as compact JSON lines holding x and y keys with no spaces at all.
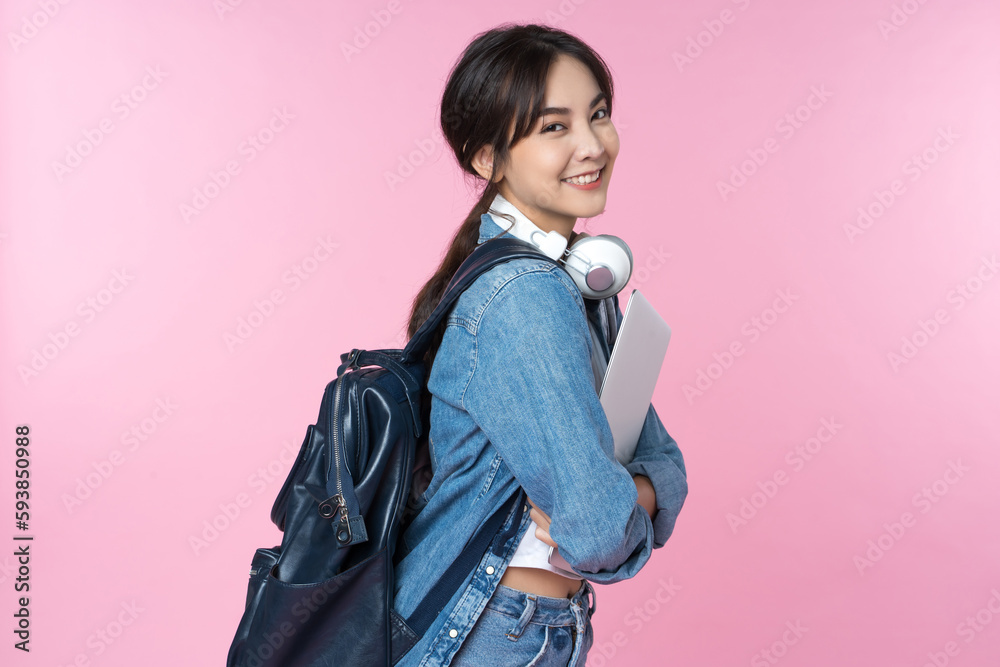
{"x":352,"y":359}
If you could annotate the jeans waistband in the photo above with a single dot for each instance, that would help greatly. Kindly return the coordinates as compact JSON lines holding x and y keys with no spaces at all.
{"x":546,"y":610}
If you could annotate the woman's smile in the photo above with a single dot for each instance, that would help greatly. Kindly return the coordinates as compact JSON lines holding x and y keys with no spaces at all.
{"x":589,"y":181}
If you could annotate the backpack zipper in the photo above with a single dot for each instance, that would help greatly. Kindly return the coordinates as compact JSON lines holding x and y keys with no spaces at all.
{"x":336,"y":442}
{"x":344,"y":531}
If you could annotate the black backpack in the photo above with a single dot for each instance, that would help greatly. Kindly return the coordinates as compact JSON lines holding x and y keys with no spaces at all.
{"x":325,"y":595}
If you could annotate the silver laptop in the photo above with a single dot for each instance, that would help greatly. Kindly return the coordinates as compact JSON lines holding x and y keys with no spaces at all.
{"x":627,"y":387}
{"x":628,"y":384}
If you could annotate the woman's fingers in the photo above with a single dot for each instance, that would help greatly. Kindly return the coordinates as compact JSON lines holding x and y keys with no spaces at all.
{"x":544,"y":536}
{"x":540,"y":517}
{"x":535,"y":513}
{"x":543,"y":521}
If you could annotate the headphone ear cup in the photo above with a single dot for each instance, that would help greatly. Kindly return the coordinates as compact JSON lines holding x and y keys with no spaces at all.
{"x":624,"y":246}
{"x":600,"y":265}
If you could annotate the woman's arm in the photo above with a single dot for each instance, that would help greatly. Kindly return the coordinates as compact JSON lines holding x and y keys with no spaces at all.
{"x":658,"y":471}
{"x":658,"y":460}
{"x":531,"y":390}
{"x":647,"y":499}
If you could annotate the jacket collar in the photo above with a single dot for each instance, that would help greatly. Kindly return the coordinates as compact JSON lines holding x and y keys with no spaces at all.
{"x":491,"y":226}
{"x":600,"y":312}
{"x":487,"y":228}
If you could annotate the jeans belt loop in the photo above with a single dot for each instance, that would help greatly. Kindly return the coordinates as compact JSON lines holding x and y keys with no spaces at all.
{"x":522,"y":623}
{"x":591,"y":597}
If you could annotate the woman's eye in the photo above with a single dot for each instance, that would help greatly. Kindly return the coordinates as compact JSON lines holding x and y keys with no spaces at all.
{"x":548,"y":128}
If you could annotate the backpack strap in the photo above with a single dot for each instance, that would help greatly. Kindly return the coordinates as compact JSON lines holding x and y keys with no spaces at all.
{"x":483,"y":258}
{"x":611,"y":304}
{"x":432,"y":604}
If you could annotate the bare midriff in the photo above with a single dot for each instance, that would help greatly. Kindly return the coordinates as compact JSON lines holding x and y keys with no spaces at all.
{"x":540,"y":582}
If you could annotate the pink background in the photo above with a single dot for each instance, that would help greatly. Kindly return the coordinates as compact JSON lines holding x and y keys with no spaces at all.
{"x":842,"y":546}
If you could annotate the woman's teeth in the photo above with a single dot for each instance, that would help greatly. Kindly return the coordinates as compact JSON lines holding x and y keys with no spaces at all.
{"x":583,"y":180}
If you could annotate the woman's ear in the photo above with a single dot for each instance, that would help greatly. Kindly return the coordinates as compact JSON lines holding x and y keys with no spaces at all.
{"x":483,"y":163}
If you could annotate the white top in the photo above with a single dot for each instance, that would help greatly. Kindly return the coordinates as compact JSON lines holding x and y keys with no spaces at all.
{"x":532,"y":552}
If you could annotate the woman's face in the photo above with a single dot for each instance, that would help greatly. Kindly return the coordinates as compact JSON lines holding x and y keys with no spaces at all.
{"x":574,"y":136}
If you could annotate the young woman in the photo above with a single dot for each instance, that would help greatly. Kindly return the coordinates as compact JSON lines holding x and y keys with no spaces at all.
{"x":514,"y":372}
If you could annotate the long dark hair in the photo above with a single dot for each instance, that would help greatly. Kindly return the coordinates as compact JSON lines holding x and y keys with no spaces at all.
{"x":498,"y":83}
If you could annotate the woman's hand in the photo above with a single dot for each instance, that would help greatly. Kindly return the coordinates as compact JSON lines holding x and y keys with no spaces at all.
{"x":543,"y":521}
{"x":647,"y":494}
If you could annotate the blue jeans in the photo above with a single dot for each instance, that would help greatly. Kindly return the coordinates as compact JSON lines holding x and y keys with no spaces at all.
{"x":518,"y":628}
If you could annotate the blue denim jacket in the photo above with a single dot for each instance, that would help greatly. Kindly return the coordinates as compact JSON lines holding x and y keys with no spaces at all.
{"x":514,"y":404}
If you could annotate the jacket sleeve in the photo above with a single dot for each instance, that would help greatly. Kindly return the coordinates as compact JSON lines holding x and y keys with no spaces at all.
{"x":658,"y":458}
{"x":532,"y":393}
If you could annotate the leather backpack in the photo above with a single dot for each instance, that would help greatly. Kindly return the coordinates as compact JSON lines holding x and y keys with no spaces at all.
{"x":324,"y":596}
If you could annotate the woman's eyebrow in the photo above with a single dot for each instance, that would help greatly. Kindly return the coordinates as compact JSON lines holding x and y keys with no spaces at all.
{"x":563,"y":111}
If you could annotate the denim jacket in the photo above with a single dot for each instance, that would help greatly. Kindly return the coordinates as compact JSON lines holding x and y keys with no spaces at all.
{"x":514,"y":404}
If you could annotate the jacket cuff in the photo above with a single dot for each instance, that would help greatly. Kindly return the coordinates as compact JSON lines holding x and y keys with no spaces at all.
{"x":671,"y":490}
{"x":636,"y":560}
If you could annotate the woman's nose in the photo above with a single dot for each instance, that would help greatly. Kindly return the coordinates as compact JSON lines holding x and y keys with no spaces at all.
{"x":589,"y":144}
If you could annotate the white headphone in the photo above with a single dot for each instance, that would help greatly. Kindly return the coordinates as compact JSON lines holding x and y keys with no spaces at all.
{"x":599,"y":265}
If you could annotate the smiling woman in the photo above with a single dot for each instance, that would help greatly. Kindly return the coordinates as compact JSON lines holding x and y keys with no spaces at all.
{"x":514,"y":370}
{"x":572,"y":147}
